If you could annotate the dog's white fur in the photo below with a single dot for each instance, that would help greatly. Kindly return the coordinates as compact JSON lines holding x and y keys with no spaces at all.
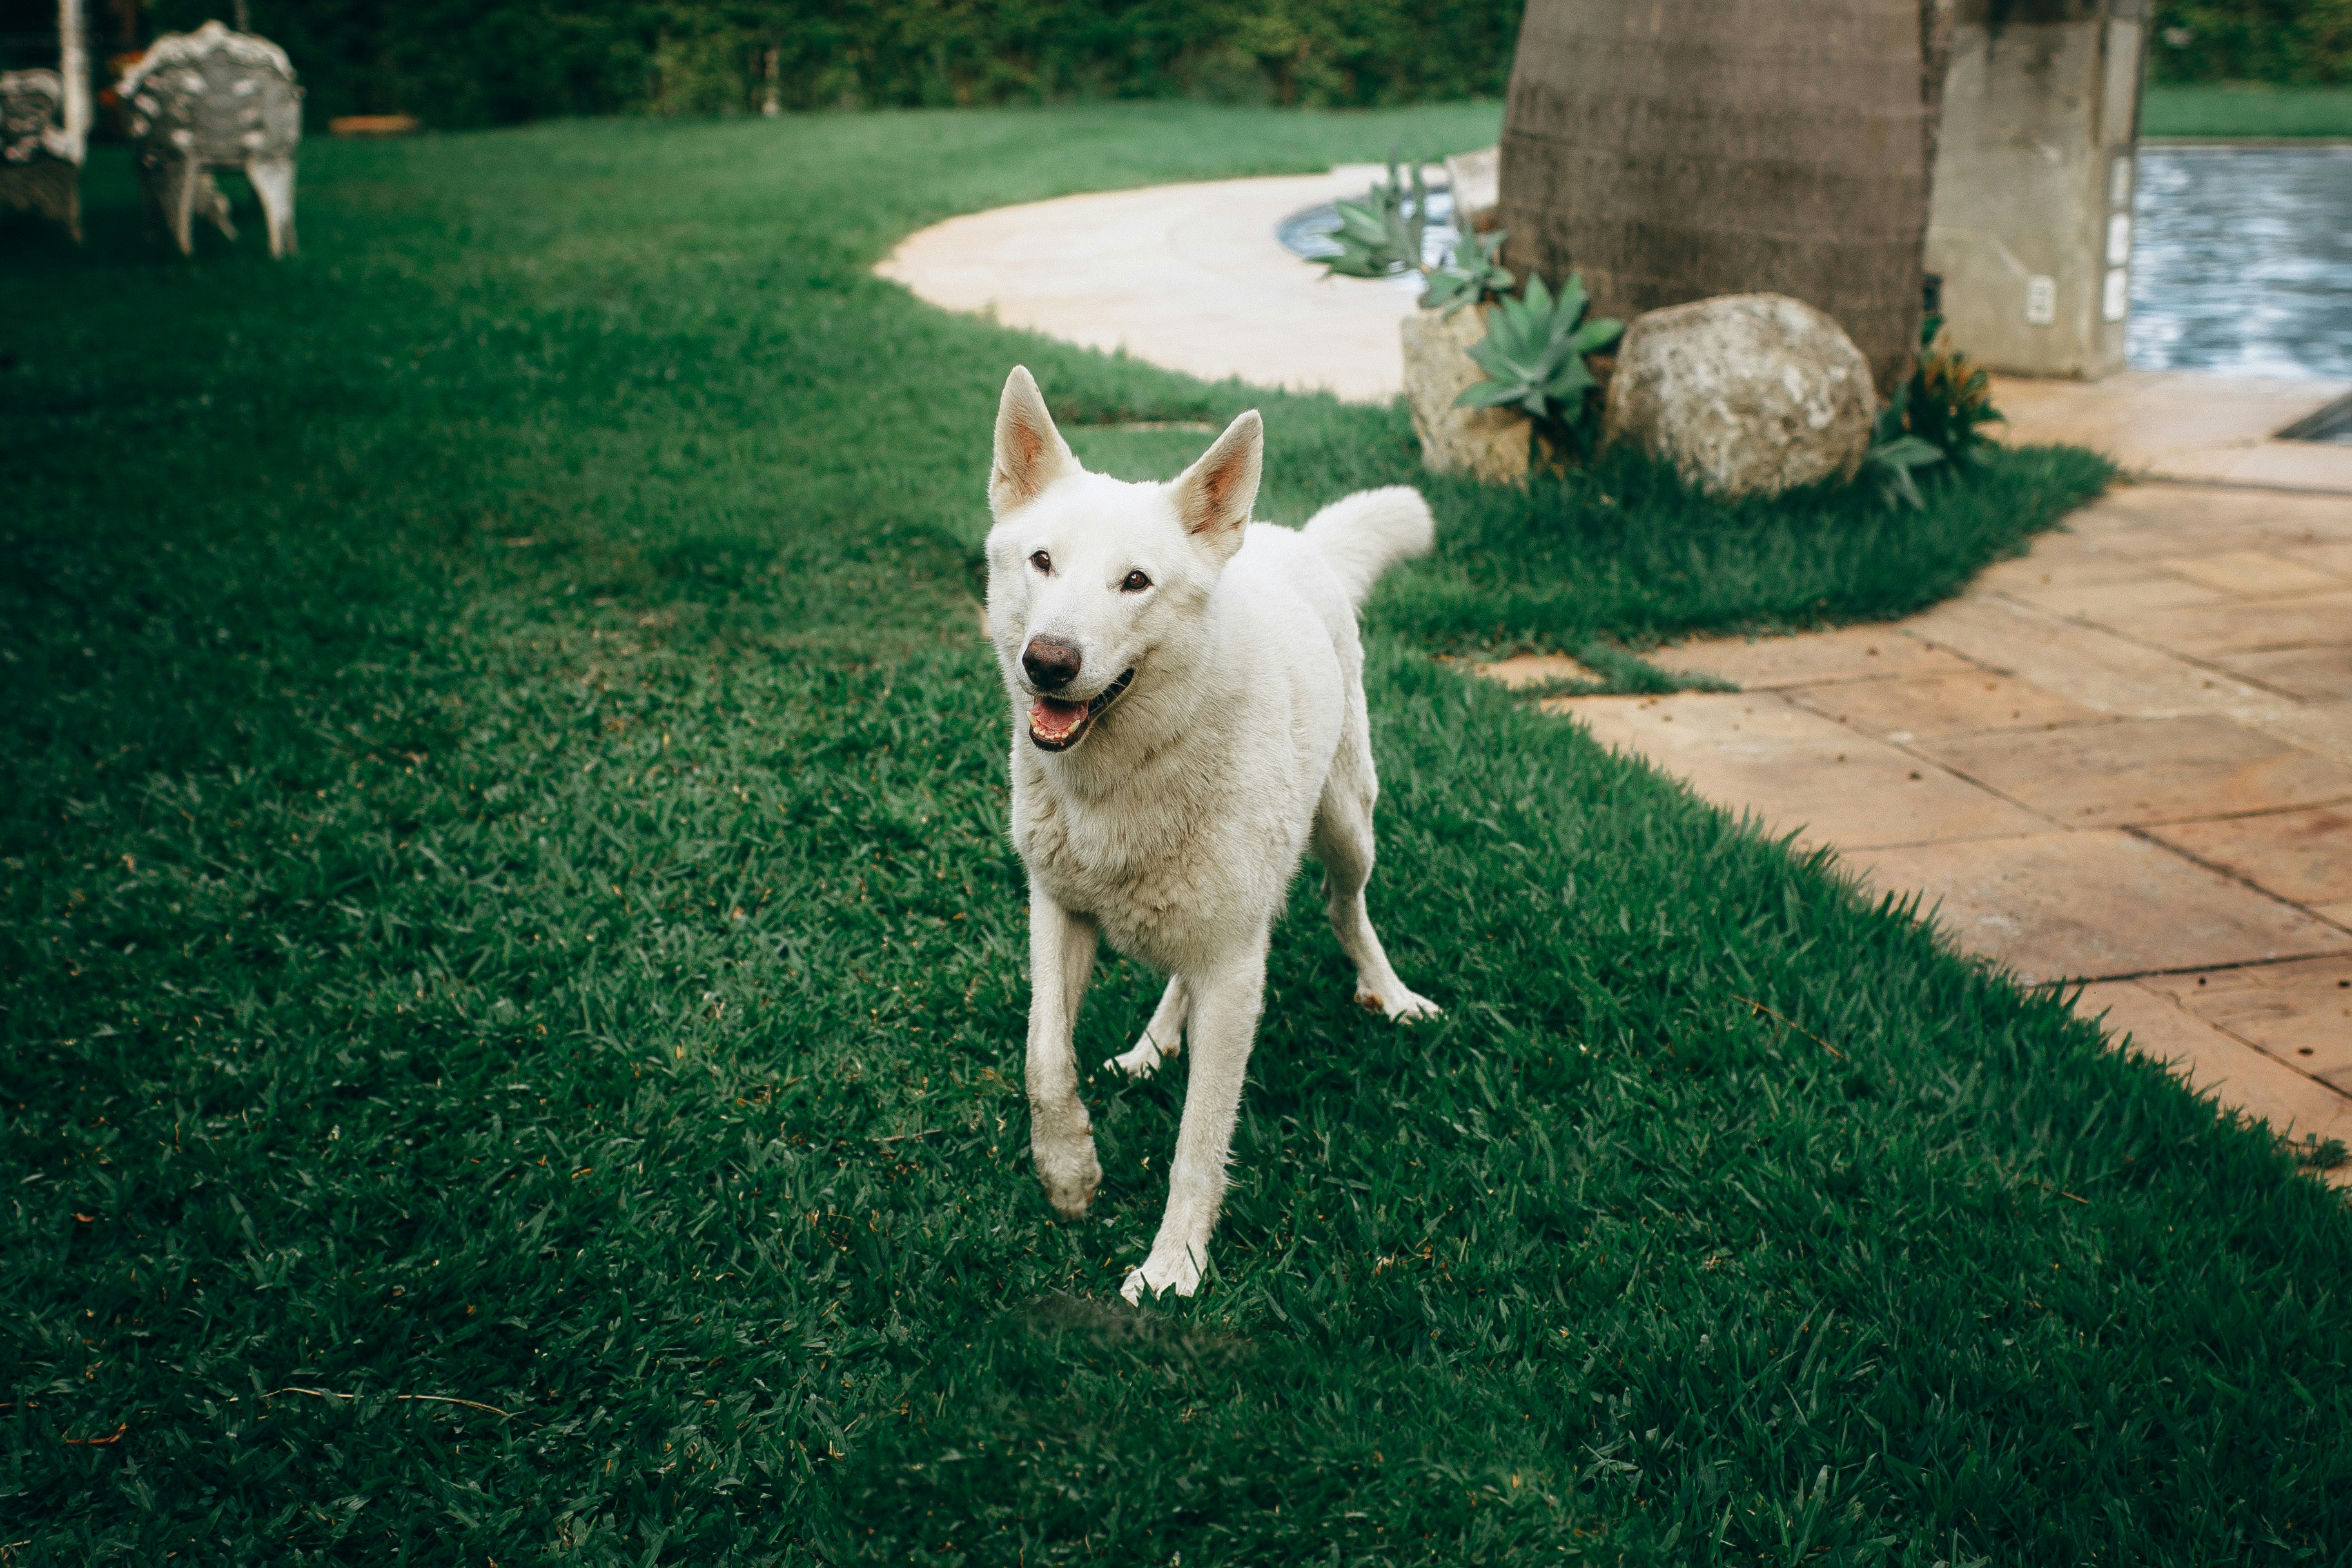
{"x":1175,"y":822}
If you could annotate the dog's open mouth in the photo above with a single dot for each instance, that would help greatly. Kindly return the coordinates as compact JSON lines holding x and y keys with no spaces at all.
{"x":1056,"y":725}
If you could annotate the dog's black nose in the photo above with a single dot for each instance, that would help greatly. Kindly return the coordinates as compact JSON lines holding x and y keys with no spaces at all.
{"x":1052,"y":663}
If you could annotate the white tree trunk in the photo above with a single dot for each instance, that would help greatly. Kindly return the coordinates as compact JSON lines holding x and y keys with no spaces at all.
{"x":73,"y":64}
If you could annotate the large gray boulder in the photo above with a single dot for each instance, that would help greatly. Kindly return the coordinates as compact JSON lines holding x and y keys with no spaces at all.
{"x":1745,"y":394}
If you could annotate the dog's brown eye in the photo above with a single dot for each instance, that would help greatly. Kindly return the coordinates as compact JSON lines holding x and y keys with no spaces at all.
{"x":1136,"y":583}
{"x":1042,"y":562}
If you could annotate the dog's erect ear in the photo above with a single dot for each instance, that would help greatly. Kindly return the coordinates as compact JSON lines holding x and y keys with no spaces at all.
{"x":1214,"y":495}
{"x":1030,"y":453}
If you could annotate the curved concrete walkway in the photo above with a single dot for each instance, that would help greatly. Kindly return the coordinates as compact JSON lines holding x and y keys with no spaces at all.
{"x":1190,"y":277}
{"x":2125,"y":760}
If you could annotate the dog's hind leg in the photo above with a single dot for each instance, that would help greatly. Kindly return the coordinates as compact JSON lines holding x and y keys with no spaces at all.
{"x":1343,"y":842}
{"x":1061,"y":1135}
{"x":1162,"y":1037}
{"x":1224,"y":1006}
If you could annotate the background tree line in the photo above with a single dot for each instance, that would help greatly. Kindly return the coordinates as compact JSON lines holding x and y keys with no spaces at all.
{"x":483,"y":62}
{"x":457,"y":63}
{"x":2288,"y":43}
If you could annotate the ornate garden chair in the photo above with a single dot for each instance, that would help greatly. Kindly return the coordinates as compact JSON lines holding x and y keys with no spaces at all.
{"x":216,"y":99}
{"x":36,"y":173}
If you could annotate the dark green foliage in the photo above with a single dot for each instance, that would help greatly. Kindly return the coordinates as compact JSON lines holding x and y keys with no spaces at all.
{"x":504,"y":900}
{"x":1935,"y":418}
{"x":1947,"y":402}
{"x":477,"y":62}
{"x":2305,"y":42}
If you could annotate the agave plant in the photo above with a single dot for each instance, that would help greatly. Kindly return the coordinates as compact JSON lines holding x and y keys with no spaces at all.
{"x":1381,"y":235}
{"x":1384,"y":235}
{"x":1474,"y":272}
{"x":1534,"y":354}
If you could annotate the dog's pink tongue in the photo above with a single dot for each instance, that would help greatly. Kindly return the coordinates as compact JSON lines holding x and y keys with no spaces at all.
{"x":1051,"y":719}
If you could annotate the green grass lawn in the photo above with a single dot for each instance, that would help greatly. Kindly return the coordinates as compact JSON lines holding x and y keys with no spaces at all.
{"x":511,"y":980}
{"x":2245,"y":109}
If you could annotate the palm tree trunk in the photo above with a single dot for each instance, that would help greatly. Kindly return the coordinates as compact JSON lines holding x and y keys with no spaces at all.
{"x":1675,"y":151}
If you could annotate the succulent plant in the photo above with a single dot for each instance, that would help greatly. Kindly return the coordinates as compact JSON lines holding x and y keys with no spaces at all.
{"x":1534,"y":353}
{"x":1384,"y":235}
{"x":1474,"y":272}
{"x":1380,"y":236}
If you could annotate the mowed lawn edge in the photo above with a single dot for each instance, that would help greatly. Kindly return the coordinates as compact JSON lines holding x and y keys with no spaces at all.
{"x":514,"y":984}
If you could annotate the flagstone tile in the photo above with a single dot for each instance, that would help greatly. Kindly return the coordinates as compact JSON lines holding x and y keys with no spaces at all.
{"x":1929,"y":706}
{"x":2324,"y":728}
{"x":2252,"y":573}
{"x":2210,"y":512}
{"x":2300,"y":1012}
{"x":2059,"y":560}
{"x":2101,"y":601}
{"x":2237,"y":627}
{"x":2282,"y":464}
{"x":2334,"y":556}
{"x":2304,"y":857}
{"x":1852,"y":653}
{"x":2098,"y":904}
{"x":2144,"y":770}
{"x":2213,"y":1062}
{"x":2318,"y":673}
{"x":1800,"y":773}
{"x":2099,"y":669}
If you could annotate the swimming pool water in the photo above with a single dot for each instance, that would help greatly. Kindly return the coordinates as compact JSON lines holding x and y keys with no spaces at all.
{"x":2242,"y":261}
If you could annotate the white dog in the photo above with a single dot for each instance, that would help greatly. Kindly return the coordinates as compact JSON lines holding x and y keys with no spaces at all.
{"x":1188,"y":719}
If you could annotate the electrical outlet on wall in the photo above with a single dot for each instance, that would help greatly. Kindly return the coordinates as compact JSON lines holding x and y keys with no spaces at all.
{"x":2040,"y":301}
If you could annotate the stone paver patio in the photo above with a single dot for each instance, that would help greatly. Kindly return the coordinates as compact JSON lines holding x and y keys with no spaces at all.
{"x":2123,"y":760}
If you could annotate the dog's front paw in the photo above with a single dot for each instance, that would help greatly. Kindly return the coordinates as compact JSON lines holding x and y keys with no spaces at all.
{"x":1397,"y":1004}
{"x":1177,"y":1269}
{"x":1070,"y":1173}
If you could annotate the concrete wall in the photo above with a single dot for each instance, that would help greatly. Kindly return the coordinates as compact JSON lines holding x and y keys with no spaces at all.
{"x":2030,"y":226}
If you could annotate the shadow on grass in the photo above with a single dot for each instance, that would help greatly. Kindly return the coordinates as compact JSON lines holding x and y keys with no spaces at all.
{"x":1625,"y":550}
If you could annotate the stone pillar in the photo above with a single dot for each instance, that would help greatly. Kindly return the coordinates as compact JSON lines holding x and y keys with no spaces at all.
{"x":2030,"y":226}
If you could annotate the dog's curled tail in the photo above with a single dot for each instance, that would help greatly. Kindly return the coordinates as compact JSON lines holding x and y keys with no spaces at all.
{"x":1364,"y":534}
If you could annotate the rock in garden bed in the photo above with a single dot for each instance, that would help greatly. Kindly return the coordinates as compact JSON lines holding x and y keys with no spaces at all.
{"x":1744,"y":393}
{"x":1489,"y":444}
